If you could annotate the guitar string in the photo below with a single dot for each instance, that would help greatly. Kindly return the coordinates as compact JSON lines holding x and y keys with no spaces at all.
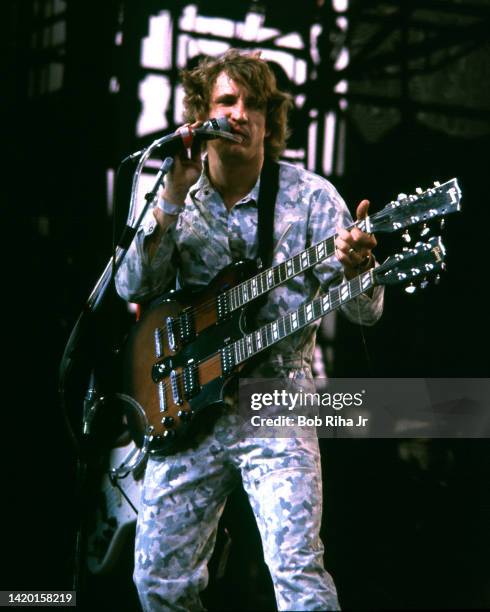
{"x":335,"y":302}
{"x":294,"y":259}
{"x":375,"y":217}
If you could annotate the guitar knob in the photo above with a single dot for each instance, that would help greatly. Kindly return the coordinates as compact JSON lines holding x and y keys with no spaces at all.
{"x":168,"y":421}
{"x":406,"y":236}
{"x":401,"y":196}
{"x":410,"y":288}
{"x":169,"y":434}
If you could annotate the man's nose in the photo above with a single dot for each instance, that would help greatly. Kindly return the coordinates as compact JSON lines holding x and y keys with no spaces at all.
{"x":239,"y":111}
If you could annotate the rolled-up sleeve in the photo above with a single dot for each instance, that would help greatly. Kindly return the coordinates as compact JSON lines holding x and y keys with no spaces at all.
{"x":140,"y":278}
{"x":327,"y":212}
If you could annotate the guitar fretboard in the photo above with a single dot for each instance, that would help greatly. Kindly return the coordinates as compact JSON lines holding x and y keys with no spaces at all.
{"x":263,"y":282}
{"x":252,"y":343}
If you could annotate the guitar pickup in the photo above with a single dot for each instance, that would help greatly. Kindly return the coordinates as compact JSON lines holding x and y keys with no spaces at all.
{"x":174,"y":384}
{"x":227,"y":360}
{"x":171,"y":334}
{"x":222,"y":306}
{"x":187,"y":330}
{"x":191,"y":380}
{"x":158,"y":342}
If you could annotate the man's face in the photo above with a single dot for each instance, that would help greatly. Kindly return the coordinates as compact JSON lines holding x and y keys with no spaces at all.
{"x":245,"y":116}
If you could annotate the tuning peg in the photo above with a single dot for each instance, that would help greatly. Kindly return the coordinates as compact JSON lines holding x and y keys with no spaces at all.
{"x":410,"y":288}
{"x":443,"y":223}
{"x":401,"y":196}
{"x":419,"y":190}
{"x":424,"y":284}
{"x":406,"y":236}
{"x":425,"y":230}
{"x":437,"y":184}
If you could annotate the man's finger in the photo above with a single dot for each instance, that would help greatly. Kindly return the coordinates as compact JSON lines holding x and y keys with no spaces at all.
{"x":362,"y":209}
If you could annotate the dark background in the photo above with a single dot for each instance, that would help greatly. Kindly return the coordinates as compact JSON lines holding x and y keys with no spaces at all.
{"x":405,"y":521}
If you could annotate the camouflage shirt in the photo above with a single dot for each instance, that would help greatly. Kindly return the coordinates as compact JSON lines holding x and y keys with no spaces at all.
{"x":207,"y":237}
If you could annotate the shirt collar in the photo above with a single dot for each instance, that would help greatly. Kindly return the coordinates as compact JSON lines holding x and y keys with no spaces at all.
{"x":202,"y":190}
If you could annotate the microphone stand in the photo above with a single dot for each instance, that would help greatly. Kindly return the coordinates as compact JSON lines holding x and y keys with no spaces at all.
{"x":93,"y":399}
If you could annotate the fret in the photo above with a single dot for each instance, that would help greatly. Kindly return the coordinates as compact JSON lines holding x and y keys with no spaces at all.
{"x":317,"y":308}
{"x":326,"y":302}
{"x":282,"y":322}
{"x":279,"y":271}
{"x":258,"y":340}
{"x":320,"y":251}
{"x":312,"y":256}
{"x":254,"y":288}
{"x":275,"y":331}
{"x":301,"y":316}
{"x":244,"y":292}
{"x":365,"y":281}
{"x":344,"y":292}
{"x":270,"y":278}
{"x":250,"y":349}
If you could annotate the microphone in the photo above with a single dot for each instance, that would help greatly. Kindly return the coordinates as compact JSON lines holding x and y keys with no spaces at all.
{"x":184,"y":137}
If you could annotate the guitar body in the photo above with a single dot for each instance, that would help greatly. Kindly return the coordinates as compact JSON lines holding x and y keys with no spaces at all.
{"x":177,"y":331}
{"x":188,"y":344}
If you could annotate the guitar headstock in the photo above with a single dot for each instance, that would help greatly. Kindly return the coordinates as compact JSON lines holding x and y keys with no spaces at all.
{"x":420,"y":207}
{"x":419,"y":262}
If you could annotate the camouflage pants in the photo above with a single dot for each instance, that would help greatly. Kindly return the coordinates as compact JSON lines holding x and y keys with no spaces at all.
{"x":184,"y":496}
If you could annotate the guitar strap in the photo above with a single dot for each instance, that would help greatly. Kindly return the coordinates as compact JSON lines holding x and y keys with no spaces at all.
{"x":269,"y":186}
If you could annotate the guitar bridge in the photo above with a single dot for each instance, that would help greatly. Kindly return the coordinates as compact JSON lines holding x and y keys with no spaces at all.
{"x":171,"y":334}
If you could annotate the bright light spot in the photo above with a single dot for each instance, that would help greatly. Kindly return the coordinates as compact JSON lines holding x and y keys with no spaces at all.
{"x":341,"y":87}
{"x":315,"y":31}
{"x":328,"y":143}
{"x":156,"y":50}
{"x":312,"y":140}
{"x":292,"y":41}
{"x":154,"y":93}
{"x":340,"y":5}
{"x":342,"y":23}
{"x":252,"y":25}
{"x":188,"y":19}
{"x":299,"y":100}
{"x":342,"y":60}
{"x":114,"y":85}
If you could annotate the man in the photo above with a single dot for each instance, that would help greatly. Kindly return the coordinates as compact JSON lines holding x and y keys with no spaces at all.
{"x":195,"y":230}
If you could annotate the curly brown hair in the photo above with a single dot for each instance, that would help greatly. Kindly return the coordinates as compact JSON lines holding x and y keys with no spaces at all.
{"x":248,"y":69}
